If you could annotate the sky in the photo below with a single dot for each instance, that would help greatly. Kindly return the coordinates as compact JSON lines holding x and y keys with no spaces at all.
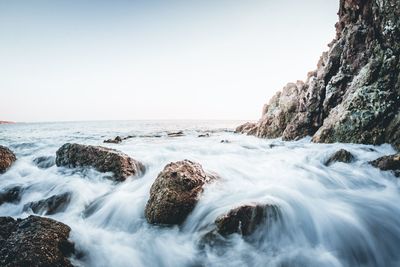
{"x":173,"y":59}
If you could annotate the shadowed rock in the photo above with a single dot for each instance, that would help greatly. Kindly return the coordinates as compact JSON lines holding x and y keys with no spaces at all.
{"x":100,"y":158}
{"x":388,"y":163}
{"x":45,"y":162}
{"x":175,"y":192}
{"x":11,"y":195}
{"x":34,"y":241}
{"x":354,"y":94}
{"x":51,"y":205}
{"x":341,"y":155}
{"x":245,"y":219}
{"x":7,"y":158}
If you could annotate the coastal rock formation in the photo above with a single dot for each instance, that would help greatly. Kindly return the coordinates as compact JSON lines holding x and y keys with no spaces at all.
{"x":175,"y":192}
{"x":245,"y":219}
{"x":354,"y":94}
{"x":341,"y":155}
{"x":49,"y":206}
{"x":7,"y":158}
{"x":100,"y":158}
{"x":388,"y":163}
{"x":34,"y":241}
{"x":11,"y":194}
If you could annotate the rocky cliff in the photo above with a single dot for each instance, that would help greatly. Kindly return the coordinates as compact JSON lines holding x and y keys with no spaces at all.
{"x":354,"y":94}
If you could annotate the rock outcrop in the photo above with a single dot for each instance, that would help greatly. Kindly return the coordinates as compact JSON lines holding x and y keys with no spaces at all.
{"x":388,"y":163}
{"x":245,"y":219}
{"x":341,"y":155}
{"x":34,"y":241}
{"x":354,"y":94}
{"x":49,"y":206}
{"x":175,"y":192}
{"x":100,"y":158}
{"x":7,"y":158}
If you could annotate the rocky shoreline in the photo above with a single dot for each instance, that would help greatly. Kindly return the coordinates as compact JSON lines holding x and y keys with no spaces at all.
{"x":173,"y":196}
{"x":354,"y":94}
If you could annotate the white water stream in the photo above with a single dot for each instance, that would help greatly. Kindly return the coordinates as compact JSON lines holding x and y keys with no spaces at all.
{"x":341,"y":215}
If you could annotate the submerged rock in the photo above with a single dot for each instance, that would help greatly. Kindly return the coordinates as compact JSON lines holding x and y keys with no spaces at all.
{"x":49,"y":206}
{"x":100,"y":158}
{"x":34,"y":241}
{"x":341,"y":155}
{"x":11,"y":194}
{"x":354,"y":94}
{"x":45,"y":162}
{"x":245,"y":219}
{"x":175,"y":192}
{"x":388,"y":163}
{"x":116,"y":140}
{"x":7,"y":158}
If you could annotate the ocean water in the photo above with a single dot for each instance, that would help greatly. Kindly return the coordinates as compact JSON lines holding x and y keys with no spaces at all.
{"x":341,"y":215}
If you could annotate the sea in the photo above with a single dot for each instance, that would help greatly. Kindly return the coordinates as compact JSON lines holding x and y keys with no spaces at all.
{"x":345,"y":214}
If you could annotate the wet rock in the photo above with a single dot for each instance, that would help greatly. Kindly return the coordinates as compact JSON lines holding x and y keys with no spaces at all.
{"x":354,"y":94}
{"x":7,"y":158}
{"x":175,"y":134}
{"x":175,"y":192}
{"x":341,"y":155}
{"x":116,"y":140}
{"x":34,"y":241}
{"x":245,"y":219}
{"x":204,"y":135}
{"x":11,"y":194}
{"x":49,"y":206}
{"x":45,"y":162}
{"x":388,"y":163}
{"x":100,"y":158}
{"x":248,"y":128}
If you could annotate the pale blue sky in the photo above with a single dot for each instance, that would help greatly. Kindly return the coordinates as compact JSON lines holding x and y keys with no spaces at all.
{"x":105,"y":60}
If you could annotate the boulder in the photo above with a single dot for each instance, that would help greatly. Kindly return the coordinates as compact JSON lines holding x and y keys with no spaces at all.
{"x":45,"y":162}
{"x":49,"y":206}
{"x":353,"y":96}
{"x":11,"y":194}
{"x":245,"y":219}
{"x":100,"y":158}
{"x":388,"y":163}
{"x":341,"y":155}
{"x":7,"y":158}
{"x":116,"y":140}
{"x":34,"y":241}
{"x":175,"y":192}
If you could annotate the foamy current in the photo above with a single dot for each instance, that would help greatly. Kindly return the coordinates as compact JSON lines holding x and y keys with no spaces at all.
{"x":341,"y":215}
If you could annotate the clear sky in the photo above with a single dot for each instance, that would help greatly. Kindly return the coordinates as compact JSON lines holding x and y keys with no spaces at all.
{"x":121,"y":60}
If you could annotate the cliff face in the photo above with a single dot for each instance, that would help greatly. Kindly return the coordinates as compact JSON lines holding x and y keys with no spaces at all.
{"x":354,"y":94}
